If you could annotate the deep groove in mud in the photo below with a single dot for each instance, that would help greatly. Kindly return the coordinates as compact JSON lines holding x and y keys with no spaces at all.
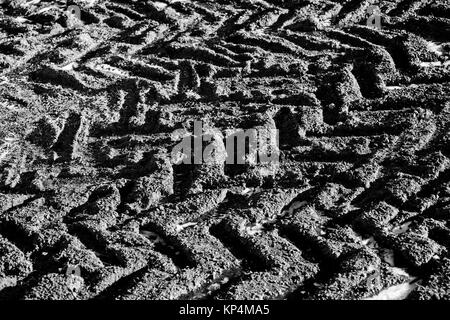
{"x":344,"y":120}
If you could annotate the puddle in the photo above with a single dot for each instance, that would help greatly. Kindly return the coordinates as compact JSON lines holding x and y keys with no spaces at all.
{"x":246,"y":191}
{"x":21,"y":19}
{"x":435,"y":64}
{"x":400,"y":272}
{"x":111,"y":70}
{"x":161,"y":5}
{"x":252,"y":228}
{"x":387,"y":255}
{"x":296,"y":205}
{"x":181,"y":227}
{"x":393,"y":88}
{"x":69,"y":66}
{"x":401,"y":229}
{"x":7,"y":146}
{"x":164,"y":247}
{"x":397,"y":292}
{"x":435,"y":48}
{"x":153,"y":237}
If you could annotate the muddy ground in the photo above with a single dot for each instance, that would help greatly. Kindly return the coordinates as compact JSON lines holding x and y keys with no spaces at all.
{"x":92,"y":207}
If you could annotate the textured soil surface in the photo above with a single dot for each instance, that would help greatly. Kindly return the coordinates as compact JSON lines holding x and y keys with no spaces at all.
{"x":91,"y":206}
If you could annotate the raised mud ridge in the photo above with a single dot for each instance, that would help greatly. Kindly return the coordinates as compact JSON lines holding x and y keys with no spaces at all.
{"x":91,"y":206}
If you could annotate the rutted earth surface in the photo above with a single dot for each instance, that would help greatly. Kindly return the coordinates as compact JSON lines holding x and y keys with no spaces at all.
{"x":91,"y":206}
